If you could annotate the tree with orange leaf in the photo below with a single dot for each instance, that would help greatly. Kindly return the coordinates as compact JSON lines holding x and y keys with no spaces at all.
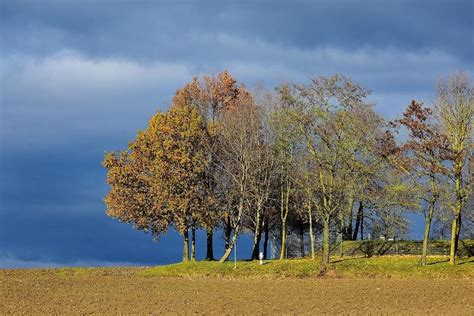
{"x":425,"y":151}
{"x":161,"y":178}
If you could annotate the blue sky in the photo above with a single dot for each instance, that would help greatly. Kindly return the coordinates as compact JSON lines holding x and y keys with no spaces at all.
{"x":81,"y":77}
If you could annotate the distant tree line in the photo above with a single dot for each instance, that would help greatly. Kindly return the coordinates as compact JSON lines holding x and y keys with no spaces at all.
{"x":316,"y":156}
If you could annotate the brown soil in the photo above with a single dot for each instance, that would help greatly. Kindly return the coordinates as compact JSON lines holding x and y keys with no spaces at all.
{"x":124,"y":291}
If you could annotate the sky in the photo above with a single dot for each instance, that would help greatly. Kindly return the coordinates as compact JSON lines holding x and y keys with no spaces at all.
{"x":78,"y":78}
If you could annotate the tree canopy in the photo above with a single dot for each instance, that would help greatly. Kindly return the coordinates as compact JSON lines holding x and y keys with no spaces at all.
{"x":312,"y":159}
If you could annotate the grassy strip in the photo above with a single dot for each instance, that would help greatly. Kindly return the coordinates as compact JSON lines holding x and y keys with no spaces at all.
{"x":386,"y":266}
{"x":347,"y":267}
{"x":405,"y":247}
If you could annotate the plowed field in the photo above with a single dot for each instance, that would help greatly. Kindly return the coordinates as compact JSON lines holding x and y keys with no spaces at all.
{"x":128,"y":291}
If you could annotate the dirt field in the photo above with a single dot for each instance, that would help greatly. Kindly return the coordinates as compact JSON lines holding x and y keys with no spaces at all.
{"x":124,"y":291}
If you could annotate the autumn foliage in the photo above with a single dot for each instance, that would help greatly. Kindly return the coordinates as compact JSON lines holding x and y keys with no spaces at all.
{"x":313,"y":160}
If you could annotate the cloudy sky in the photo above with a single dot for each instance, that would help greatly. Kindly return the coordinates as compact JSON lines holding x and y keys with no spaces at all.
{"x":81,"y":77}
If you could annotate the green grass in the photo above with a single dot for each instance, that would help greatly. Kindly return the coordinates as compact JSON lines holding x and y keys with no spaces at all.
{"x":403,"y":266}
{"x":405,"y":247}
{"x":384,"y":266}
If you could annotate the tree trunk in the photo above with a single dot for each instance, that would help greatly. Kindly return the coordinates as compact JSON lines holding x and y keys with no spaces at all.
{"x":302,"y":240}
{"x":283,"y":215}
{"x":227,"y":232}
{"x":458,"y":233}
{"x":358,"y":220}
{"x":265,"y":239}
{"x":185,"y":246}
{"x":283,"y":240}
{"x":236,"y":232}
{"x":341,"y":232}
{"x":193,"y":243}
{"x":210,"y":248}
{"x":455,"y":228}
{"x":228,"y":251}
{"x":349,"y":217}
{"x":429,"y":218}
{"x":311,"y":233}
{"x":326,"y":241}
{"x":256,"y":236}
{"x":426,"y":235}
{"x":256,"y":249}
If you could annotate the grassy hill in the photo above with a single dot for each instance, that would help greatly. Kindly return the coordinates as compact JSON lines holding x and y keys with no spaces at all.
{"x":382,"y":266}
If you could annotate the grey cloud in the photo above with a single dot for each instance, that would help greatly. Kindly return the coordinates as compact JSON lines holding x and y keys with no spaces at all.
{"x":68,"y":95}
{"x":163,"y":29}
{"x":65,"y":97}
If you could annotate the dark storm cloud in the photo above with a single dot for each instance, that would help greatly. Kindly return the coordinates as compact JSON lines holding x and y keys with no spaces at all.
{"x":81,"y":77}
{"x":52,"y":215}
{"x":161,"y":29}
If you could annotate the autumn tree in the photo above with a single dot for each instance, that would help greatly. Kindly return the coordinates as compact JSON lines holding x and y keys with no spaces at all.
{"x":218,"y":95}
{"x":454,"y":105}
{"x":425,"y":150}
{"x":162,"y":178}
{"x":132,"y":196}
{"x":212,"y":96}
{"x":287,"y":161}
{"x":193,"y":95}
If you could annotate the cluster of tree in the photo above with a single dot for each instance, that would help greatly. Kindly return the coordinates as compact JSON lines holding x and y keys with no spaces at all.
{"x":314,"y":155}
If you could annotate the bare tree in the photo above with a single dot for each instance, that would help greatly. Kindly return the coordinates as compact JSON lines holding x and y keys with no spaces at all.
{"x":239,"y":139}
{"x":455,"y":109}
{"x":286,"y":145}
{"x":261,"y":176}
{"x":322,"y":111}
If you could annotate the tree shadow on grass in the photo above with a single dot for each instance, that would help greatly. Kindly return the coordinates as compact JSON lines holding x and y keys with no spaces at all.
{"x":438,"y":262}
{"x":256,"y":261}
{"x":447,"y":260}
{"x":470,"y":260}
{"x":345,"y":259}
